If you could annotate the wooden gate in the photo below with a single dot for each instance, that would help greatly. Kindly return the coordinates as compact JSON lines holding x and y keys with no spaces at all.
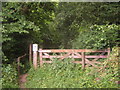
{"x":84,"y":54}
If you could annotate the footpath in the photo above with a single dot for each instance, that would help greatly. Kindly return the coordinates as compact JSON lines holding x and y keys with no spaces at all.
{"x":22,"y":80}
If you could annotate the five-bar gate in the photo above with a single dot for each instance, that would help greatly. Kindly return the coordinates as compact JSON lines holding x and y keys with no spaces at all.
{"x":84,"y":55}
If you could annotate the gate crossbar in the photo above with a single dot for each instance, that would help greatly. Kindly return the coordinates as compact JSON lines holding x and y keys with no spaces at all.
{"x":70,"y":53}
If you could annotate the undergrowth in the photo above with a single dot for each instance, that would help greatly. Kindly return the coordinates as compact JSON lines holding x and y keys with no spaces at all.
{"x":63,"y":74}
{"x":9,"y":77}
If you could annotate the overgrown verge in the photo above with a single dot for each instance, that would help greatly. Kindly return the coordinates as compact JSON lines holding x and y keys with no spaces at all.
{"x":9,"y":77}
{"x":9,"y":74}
{"x":63,"y":74}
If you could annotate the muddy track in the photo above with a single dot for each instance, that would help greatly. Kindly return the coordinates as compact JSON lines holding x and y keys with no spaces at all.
{"x":22,"y":80}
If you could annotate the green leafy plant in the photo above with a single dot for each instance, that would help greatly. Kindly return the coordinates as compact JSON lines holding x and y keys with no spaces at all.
{"x":9,"y":77}
{"x":98,"y":37}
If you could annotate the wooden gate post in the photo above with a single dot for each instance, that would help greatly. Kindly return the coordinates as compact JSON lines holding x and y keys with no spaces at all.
{"x":35,"y":49}
{"x":18,"y":65}
{"x":30,"y":54}
{"x":40,"y":55}
{"x":83,"y":60}
{"x":108,"y":52}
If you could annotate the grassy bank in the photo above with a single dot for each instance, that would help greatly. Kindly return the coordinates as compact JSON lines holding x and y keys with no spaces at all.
{"x":63,"y":74}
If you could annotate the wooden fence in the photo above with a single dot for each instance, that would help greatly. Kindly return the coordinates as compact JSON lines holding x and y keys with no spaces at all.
{"x":83,"y":55}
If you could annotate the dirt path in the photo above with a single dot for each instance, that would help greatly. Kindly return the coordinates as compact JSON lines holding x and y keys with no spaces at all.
{"x":22,"y":80}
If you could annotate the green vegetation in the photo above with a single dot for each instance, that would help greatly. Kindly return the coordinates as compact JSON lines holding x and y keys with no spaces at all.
{"x":63,"y":74}
{"x":58,"y":25}
{"x":98,"y":37}
{"x":9,"y":77}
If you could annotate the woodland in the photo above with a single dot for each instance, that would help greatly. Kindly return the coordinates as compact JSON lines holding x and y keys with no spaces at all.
{"x":60,"y":25}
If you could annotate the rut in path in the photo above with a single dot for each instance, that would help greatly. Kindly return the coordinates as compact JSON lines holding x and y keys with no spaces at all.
{"x":22,"y":80}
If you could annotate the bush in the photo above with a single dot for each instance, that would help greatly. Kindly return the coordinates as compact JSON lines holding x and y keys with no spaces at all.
{"x":9,"y":76}
{"x":98,"y":37}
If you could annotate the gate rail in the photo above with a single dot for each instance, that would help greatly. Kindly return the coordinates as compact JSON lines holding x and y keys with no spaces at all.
{"x":68,"y":53}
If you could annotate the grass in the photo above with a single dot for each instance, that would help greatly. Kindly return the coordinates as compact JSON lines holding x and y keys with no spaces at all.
{"x":62,"y":74}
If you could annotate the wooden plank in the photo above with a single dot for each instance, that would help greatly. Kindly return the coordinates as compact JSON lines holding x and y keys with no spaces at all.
{"x":35,"y":59}
{"x":108,"y":52}
{"x":18,"y":62}
{"x":90,"y":62}
{"x":30,"y":54}
{"x":18,"y":65}
{"x":58,"y":56}
{"x":96,"y":62}
{"x":83,"y":60}
{"x":47,"y":61}
{"x":79,"y":62}
{"x":86,"y":60}
{"x":66,"y":55}
{"x":40,"y":55}
{"x":35,"y":50}
{"x":72,"y":50}
{"x":102,"y":54}
{"x":47,"y":55}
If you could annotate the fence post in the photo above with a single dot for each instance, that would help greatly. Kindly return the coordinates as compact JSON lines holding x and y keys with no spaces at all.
{"x":30,"y":54}
{"x":108,"y":52}
{"x":35,"y":49}
{"x":40,"y":54}
{"x":18,"y":65}
{"x":18,"y":62}
{"x":83,"y":60}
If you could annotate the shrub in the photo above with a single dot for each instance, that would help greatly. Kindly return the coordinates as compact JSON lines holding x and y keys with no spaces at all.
{"x":98,"y":37}
{"x":9,"y":76}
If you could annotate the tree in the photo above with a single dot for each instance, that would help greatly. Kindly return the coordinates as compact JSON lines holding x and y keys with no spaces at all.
{"x":73,"y":18}
{"x":24,"y":23}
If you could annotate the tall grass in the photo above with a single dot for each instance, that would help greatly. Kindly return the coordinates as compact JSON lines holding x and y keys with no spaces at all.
{"x":63,"y":74}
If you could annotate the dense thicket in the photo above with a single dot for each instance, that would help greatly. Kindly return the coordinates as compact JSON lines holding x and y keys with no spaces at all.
{"x":58,"y":25}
